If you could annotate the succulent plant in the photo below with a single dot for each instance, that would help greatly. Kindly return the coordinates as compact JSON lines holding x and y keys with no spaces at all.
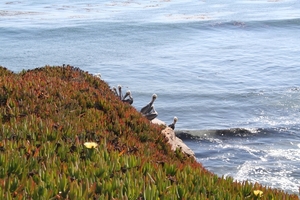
{"x":66,"y":135}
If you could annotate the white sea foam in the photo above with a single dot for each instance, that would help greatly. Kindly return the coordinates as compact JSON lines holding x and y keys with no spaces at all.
{"x":279,"y":176}
{"x":287,"y":154}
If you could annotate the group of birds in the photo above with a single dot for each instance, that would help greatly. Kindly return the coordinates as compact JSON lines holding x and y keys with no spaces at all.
{"x":120,"y":95}
{"x":148,"y":111}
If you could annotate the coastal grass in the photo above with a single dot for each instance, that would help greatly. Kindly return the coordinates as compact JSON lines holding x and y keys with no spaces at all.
{"x":65,"y":135}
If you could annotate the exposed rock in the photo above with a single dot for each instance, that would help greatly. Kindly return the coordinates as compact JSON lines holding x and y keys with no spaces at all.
{"x":159,"y":122}
{"x":173,"y":140}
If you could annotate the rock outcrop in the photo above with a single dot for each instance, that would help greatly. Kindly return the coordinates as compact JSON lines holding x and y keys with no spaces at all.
{"x":173,"y":140}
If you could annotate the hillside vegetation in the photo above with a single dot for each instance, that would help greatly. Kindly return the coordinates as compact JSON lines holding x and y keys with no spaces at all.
{"x":48,"y":114}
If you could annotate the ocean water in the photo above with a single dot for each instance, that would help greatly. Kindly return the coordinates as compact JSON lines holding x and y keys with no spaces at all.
{"x":227,"y":69}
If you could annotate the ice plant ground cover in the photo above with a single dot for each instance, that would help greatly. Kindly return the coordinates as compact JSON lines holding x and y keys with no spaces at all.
{"x":65,"y":135}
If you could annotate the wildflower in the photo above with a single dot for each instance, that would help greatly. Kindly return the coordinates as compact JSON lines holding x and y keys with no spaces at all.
{"x":258,"y":193}
{"x":90,"y":145}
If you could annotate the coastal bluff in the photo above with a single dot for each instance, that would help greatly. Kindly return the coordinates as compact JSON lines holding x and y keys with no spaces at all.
{"x":66,"y":135}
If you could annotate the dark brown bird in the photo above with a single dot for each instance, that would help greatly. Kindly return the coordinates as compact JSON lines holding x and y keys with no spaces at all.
{"x":147,"y":109}
{"x":172,"y":126}
{"x":130,"y":99}
{"x":152,"y":114}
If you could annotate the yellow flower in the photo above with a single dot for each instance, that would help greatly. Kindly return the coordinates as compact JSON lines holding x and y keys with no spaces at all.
{"x":258,"y":193}
{"x":90,"y":145}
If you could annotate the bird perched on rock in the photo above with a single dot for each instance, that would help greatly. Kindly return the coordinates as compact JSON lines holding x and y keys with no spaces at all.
{"x":172,"y":126}
{"x":130,"y":99}
{"x":148,"y":111}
